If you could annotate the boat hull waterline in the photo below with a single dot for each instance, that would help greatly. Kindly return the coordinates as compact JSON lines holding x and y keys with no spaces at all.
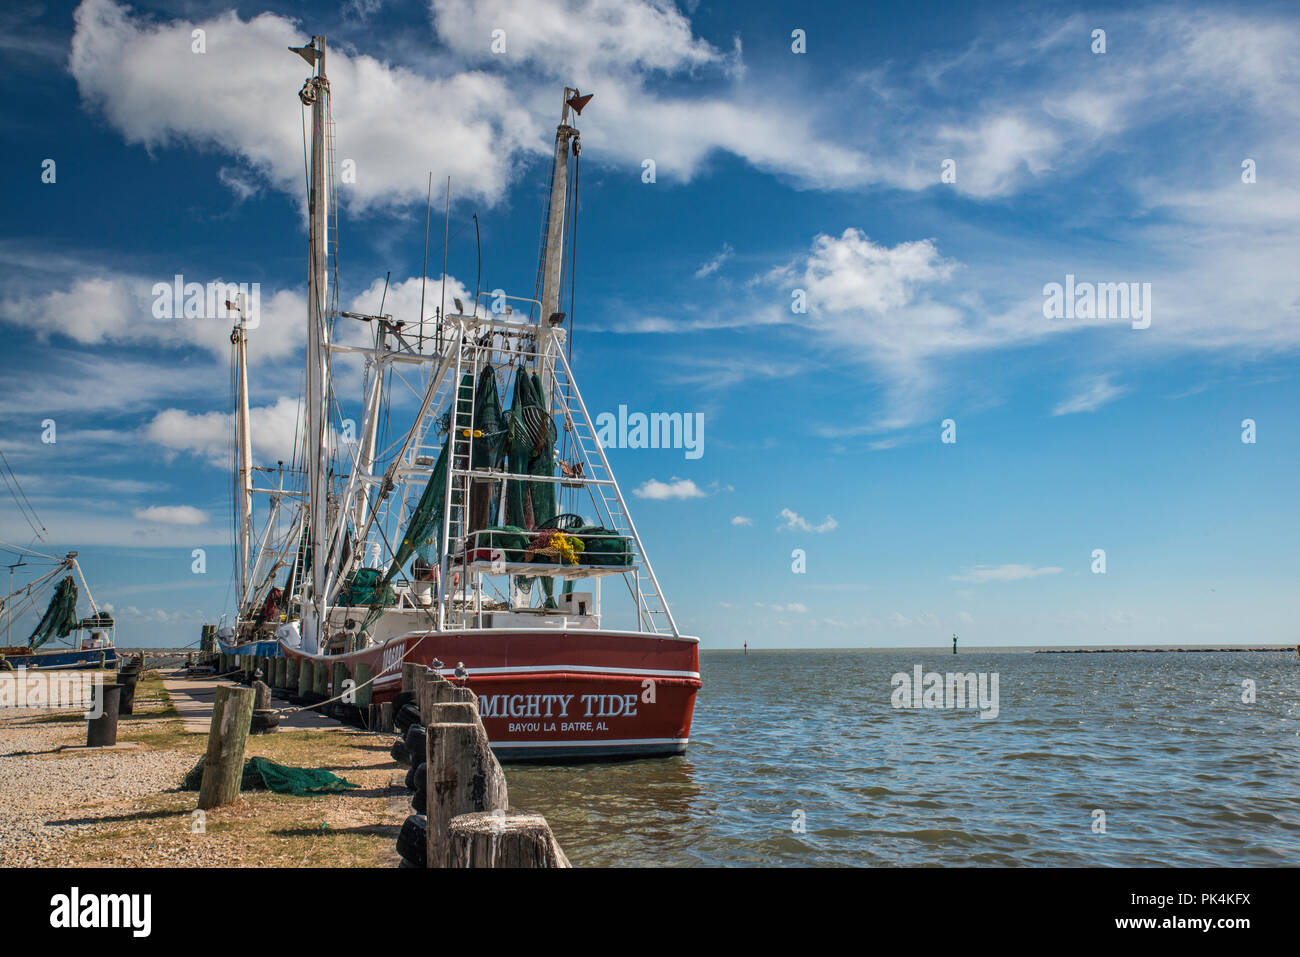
{"x":552,"y":694}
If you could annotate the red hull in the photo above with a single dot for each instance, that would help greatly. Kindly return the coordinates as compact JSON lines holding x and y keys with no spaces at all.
{"x":557,"y":694}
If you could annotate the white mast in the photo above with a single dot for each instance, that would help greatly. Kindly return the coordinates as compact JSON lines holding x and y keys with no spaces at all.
{"x":316,"y":93}
{"x":370,"y":430}
{"x":244,"y":454}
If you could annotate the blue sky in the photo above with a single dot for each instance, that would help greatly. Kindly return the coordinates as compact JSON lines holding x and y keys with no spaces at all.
{"x":775,"y":171}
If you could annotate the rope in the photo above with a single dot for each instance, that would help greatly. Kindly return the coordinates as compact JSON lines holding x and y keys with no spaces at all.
{"x":355,"y":688}
{"x":24,"y":506}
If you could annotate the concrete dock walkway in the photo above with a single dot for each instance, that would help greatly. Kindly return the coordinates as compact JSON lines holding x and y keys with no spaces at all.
{"x":193,"y":697}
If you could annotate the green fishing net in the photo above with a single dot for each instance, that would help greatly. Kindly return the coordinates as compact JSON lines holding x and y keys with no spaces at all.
{"x":263,"y":775}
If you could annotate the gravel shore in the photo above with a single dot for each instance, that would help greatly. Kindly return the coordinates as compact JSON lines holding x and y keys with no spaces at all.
{"x":48,"y":795}
{"x":63,"y":806}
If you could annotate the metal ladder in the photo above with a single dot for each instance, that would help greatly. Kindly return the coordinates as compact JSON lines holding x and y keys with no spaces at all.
{"x":455,"y":525}
{"x":611,"y":509}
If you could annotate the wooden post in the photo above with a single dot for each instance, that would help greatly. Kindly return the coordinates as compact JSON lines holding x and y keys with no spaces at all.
{"x":223,"y":766}
{"x":503,"y":840}
{"x":463,"y":777}
{"x":291,"y":673}
{"x":320,"y":678}
{"x":305,"y":677}
{"x":365,"y":689}
{"x":452,"y":712}
{"x":462,"y":693}
{"x":386,"y":717}
{"x":336,"y":684}
{"x":261,"y":696}
{"x":431,"y":691}
{"x":444,"y":690}
{"x":409,"y":670}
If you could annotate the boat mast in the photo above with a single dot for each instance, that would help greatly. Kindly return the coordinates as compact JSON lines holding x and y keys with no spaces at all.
{"x":244,"y":452}
{"x":365,"y":463}
{"x":315,"y":92}
{"x":553,"y":263}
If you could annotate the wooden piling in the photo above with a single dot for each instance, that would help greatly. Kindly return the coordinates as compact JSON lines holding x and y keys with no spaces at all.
{"x":291,"y":674}
{"x":441,"y":691}
{"x":431,"y":689}
{"x":223,"y":765}
{"x":305,"y":677}
{"x":261,"y":696}
{"x":365,"y":688}
{"x":337,"y":686}
{"x":463,"y":777}
{"x":452,"y":712}
{"x":410,"y":670}
{"x":208,"y":640}
{"x":386,"y":717}
{"x":502,"y":840}
{"x":320,"y":678}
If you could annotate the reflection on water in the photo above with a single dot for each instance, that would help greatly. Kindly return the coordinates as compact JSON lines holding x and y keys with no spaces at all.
{"x":1185,"y":772}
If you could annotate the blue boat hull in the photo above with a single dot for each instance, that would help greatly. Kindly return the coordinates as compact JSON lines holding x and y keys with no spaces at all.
{"x":263,"y":649}
{"x":65,"y":660}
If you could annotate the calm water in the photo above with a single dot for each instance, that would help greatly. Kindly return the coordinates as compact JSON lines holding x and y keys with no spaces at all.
{"x":1185,"y":772}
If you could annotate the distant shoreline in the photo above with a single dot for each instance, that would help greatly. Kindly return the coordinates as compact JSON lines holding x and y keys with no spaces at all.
{"x":1018,"y":649}
{"x":1152,"y":649}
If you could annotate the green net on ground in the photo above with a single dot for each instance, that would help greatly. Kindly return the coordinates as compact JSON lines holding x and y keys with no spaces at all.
{"x":263,"y":775}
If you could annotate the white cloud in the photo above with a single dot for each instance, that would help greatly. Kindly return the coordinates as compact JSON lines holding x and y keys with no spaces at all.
{"x":622,"y":50}
{"x":171,"y":514}
{"x":116,"y":308}
{"x":742,"y":520}
{"x":584,"y":37}
{"x":1092,"y":397}
{"x":674,"y":488}
{"x":210,"y":435}
{"x":1003,"y":573}
{"x":794,"y":607}
{"x":239,"y":99}
{"x":714,"y":264}
{"x":797,"y":523}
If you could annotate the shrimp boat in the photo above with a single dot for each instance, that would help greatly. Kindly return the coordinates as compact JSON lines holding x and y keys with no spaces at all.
{"x":61,"y":639}
{"x":473,"y":539}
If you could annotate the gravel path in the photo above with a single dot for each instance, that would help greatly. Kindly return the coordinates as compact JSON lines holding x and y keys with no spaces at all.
{"x":48,"y":796}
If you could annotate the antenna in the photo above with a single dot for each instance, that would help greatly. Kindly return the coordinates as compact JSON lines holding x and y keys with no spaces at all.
{"x":446,"y":229}
{"x":424,"y":271}
{"x":478,"y":277}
